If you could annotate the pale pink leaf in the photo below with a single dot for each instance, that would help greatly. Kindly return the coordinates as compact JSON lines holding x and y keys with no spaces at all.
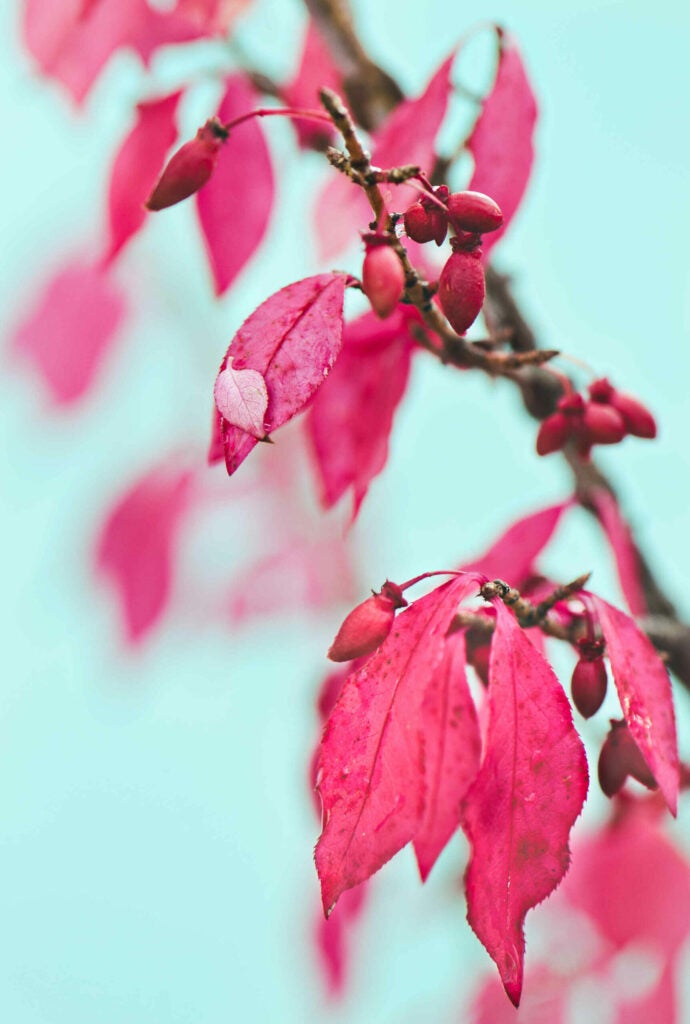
{"x":137,"y":542}
{"x":213,"y":17}
{"x":350,"y":420}
{"x":370,"y":776}
{"x":622,"y":546}
{"x":334,"y":934}
{"x":513,"y":555}
{"x":644,"y":691}
{"x":451,"y":752}
{"x":137,"y":167}
{"x":72,"y":40}
{"x":407,"y":137}
{"x":660,"y":1005}
{"x":70,"y":328}
{"x":501,"y":141}
{"x":241,"y":399}
{"x":634,"y":884}
{"x":545,"y":1002}
{"x":292,"y":340}
{"x":530,"y":789}
{"x":235,"y":205}
{"x":316,"y":70}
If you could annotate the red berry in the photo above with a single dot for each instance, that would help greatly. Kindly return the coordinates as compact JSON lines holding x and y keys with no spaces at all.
{"x":367,"y":625}
{"x":383,"y":278}
{"x":425,"y":222}
{"x":461,"y":289}
{"x":553,"y":433}
{"x":588,"y":685}
{"x":190,"y":167}
{"x":473,"y":211}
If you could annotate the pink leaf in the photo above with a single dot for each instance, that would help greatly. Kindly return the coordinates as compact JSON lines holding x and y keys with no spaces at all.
{"x":214,"y":17}
{"x":137,"y":543}
{"x":545,"y":1002}
{"x":333,"y":935}
{"x":350,"y":420}
{"x":241,"y":399}
{"x":451,"y":752}
{"x":68,"y":332}
{"x":407,"y":137}
{"x":501,"y":142}
{"x":530,"y":789}
{"x":644,"y":690}
{"x":621,"y":543}
{"x":72,"y":40}
{"x":292,"y":340}
{"x":370,"y":777}
{"x":137,"y":167}
{"x":234,"y":207}
{"x":316,"y":70}
{"x":513,"y":555}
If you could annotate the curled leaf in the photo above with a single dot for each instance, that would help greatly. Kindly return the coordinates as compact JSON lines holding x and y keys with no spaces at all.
{"x":241,"y":399}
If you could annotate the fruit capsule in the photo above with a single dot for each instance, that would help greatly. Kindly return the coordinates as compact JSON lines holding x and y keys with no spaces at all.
{"x":461,"y":289}
{"x":190,"y":167}
{"x":473,"y":211}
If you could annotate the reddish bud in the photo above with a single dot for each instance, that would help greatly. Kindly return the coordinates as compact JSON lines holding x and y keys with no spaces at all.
{"x":425,"y":223}
{"x":473,"y":211}
{"x":637,"y":419}
{"x":461,"y":289}
{"x":383,"y":278}
{"x":588,"y":685}
{"x":620,"y":756}
{"x":553,"y":433}
{"x":190,"y":167}
{"x":367,"y":625}
{"x":602,"y":424}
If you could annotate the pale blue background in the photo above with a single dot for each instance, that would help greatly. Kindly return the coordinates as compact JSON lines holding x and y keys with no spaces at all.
{"x":155,"y":861}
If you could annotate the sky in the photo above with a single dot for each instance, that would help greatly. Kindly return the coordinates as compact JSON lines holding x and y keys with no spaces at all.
{"x":157,"y":829}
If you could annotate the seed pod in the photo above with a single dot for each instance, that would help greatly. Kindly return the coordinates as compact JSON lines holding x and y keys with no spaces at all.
{"x":461,"y":289}
{"x":383,"y":278}
{"x":620,"y":756}
{"x":425,"y":223}
{"x":473,"y":211}
{"x":367,"y":625}
{"x":637,"y":419}
{"x":553,"y":433}
{"x":190,"y":167}
{"x":602,"y":424}
{"x":588,"y":685}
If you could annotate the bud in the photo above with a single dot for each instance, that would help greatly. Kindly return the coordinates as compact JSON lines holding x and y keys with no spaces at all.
{"x":588,"y":685}
{"x":461,"y":288}
{"x":367,"y":625}
{"x":473,"y":211}
{"x":620,"y":756}
{"x":383,"y":278}
{"x":190,"y":167}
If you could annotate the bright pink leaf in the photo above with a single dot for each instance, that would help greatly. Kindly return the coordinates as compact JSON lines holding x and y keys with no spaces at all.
{"x":644,"y":690}
{"x":292,"y":340}
{"x":136,"y":546}
{"x":70,"y":328}
{"x":407,"y":137}
{"x":234,"y":207}
{"x":370,"y":778}
{"x":501,"y":142}
{"x":241,"y":399}
{"x":513,"y":555}
{"x":137,"y":168}
{"x":530,"y":789}
{"x":621,"y":543}
{"x":316,"y":70}
{"x":72,"y":40}
{"x":451,"y":752}
{"x":350,"y":420}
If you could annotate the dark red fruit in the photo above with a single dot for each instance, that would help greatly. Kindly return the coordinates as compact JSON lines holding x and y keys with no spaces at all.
{"x":461,"y":289}
{"x":602,"y":424}
{"x":383,"y":278}
{"x":426,"y":222}
{"x":553,"y":433}
{"x":367,"y":625}
{"x":473,"y":211}
{"x":588,"y":685}
{"x":190,"y":167}
{"x":620,"y":756}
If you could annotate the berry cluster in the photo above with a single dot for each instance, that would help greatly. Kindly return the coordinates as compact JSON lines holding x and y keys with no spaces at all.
{"x":605,"y":418}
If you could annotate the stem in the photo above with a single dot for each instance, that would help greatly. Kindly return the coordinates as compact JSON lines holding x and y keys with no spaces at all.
{"x":304,"y":115}
{"x":428,"y":575}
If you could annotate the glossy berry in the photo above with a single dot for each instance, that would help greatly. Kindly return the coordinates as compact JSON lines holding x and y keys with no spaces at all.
{"x":461,"y":288}
{"x":637,"y":419}
{"x":473,"y":211}
{"x":190,"y":167}
{"x":588,"y":685}
{"x":367,"y":625}
{"x":383,"y":278}
{"x":620,"y":756}
{"x":425,"y":220}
